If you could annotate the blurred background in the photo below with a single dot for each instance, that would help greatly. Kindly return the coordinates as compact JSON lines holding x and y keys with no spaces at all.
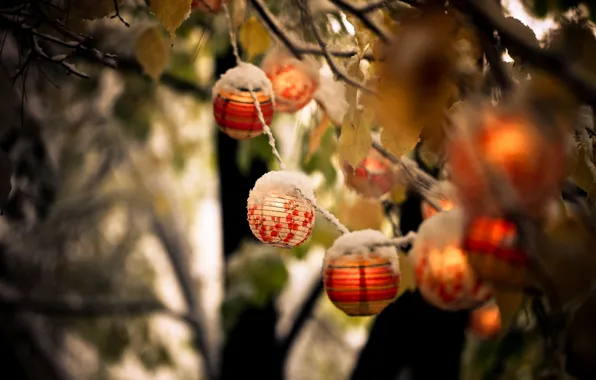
{"x":125,"y":251}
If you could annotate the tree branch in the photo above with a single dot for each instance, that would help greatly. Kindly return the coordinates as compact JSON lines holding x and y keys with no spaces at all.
{"x":364,"y":18}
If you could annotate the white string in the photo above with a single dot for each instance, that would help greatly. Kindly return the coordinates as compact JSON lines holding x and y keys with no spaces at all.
{"x":399,"y":242}
{"x":266,"y":129}
{"x":326,"y":214}
{"x":232,"y":33}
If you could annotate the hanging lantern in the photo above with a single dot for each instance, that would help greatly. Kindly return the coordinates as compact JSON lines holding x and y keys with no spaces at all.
{"x":494,"y":253}
{"x":372,"y":178}
{"x":280,"y":209}
{"x":212,"y":6}
{"x":429,"y":211}
{"x":294,"y":81}
{"x":527,"y":166}
{"x":443,"y":194}
{"x":485,"y":321}
{"x":360,"y":279}
{"x":443,"y":275}
{"x":233,"y":105}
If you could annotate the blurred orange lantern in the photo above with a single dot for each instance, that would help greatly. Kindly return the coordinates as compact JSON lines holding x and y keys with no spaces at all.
{"x":494,"y":252}
{"x":294,"y":81}
{"x":373,"y":177}
{"x":208,"y":5}
{"x":236,"y":114}
{"x":280,"y":209}
{"x":512,"y":148}
{"x":429,"y":211}
{"x":443,"y":274}
{"x":485,"y":322}
{"x":358,"y":279}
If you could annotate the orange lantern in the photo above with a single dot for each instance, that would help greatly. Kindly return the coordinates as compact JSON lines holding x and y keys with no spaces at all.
{"x":372,"y":178}
{"x":513,"y":149}
{"x":443,"y":275}
{"x":485,"y":322}
{"x":213,"y":6}
{"x":294,"y":81}
{"x":494,"y":252}
{"x":280,"y":209}
{"x":233,"y":105}
{"x":429,"y":211}
{"x":359,"y":279}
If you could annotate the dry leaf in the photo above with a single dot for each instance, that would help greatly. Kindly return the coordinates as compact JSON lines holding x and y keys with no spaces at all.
{"x":238,"y":12}
{"x":509,"y":302}
{"x":254,"y":37}
{"x":358,"y":213}
{"x":171,"y":13}
{"x":152,"y":51}
{"x":355,"y":142}
{"x":316,"y":134}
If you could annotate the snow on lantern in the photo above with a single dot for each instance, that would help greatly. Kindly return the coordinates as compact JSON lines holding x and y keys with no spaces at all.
{"x":280,"y":209}
{"x":494,"y":252}
{"x":360,"y":279}
{"x":372,"y":178}
{"x":213,"y":6}
{"x":527,"y":166}
{"x":485,"y":321}
{"x":443,"y":275}
{"x":294,"y":80}
{"x":233,"y":105}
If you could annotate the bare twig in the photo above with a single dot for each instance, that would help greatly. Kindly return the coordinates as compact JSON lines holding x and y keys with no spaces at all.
{"x":364,"y":18}
{"x":117,"y":13}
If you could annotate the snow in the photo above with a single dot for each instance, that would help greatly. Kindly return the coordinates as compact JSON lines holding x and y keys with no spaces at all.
{"x":442,"y":230}
{"x":285,"y":181}
{"x":245,"y":76}
{"x":359,"y":242}
{"x":331,"y":95}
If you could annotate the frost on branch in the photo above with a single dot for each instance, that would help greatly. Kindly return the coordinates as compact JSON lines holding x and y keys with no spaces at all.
{"x":360,"y":244}
{"x":244,"y":76}
{"x":285,"y":182}
{"x":331,"y":96}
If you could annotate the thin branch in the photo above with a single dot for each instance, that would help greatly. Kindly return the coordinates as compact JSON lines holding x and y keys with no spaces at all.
{"x":364,"y":18}
{"x":496,"y":65}
{"x":117,"y":14}
{"x":307,"y":14}
{"x":556,"y":64}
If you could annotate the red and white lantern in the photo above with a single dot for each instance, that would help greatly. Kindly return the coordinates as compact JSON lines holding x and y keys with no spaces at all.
{"x":373,"y":177}
{"x":443,"y":274}
{"x":361,"y":279}
{"x":494,"y":252}
{"x":485,"y":321}
{"x":234,"y":108}
{"x":213,"y":6}
{"x":294,"y":81}
{"x":513,"y":149}
{"x":280,"y":209}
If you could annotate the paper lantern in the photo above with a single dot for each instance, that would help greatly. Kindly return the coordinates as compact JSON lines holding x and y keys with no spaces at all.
{"x":213,"y":6}
{"x":494,"y":252}
{"x":443,"y":274}
{"x":429,"y":211}
{"x":280,"y":209}
{"x":233,"y":105}
{"x":359,"y":279}
{"x":294,"y":81}
{"x":372,"y":178}
{"x":485,"y":321}
{"x":511,"y":148}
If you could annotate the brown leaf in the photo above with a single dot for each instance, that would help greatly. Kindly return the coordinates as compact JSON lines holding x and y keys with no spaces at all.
{"x":509,"y":303}
{"x":316,"y":134}
{"x":359,"y":213}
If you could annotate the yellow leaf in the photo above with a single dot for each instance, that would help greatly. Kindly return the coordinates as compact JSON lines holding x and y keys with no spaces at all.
{"x":152,"y":51}
{"x":408,"y":278}
{"x":171,"y":13}
{"x":91,"y":9}
{"x":509,"y":303}
{"x":358,"y":213}
{"x":254,"y":37}
{"x":355,"y":142}
{"x":581,"y":174}
{"x":398,"y":193}
{"x":316,"y":134}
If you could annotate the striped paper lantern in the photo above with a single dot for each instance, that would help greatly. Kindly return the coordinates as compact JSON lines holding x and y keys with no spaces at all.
{"x":372,"y":178}
{"x":292,"y":86}
{"x":213,"y":6}
{"x":361,"y":285}
{"x":236,"y":114}
{"x":281,"y":220}
{"x":494,"y":252}
{"x":361,"y":279}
